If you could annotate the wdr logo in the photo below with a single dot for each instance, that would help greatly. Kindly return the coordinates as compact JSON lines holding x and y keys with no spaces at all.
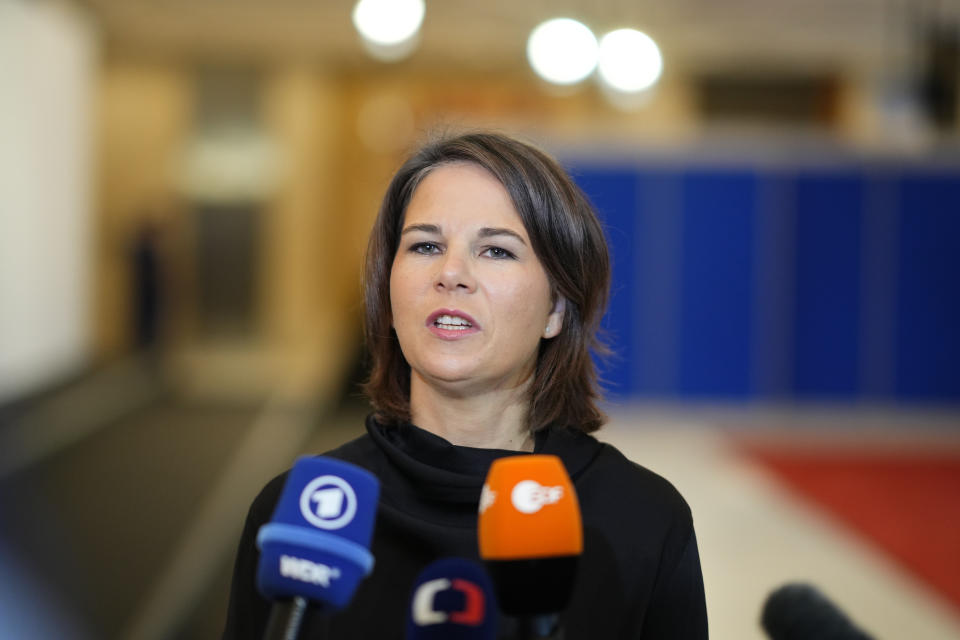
{"x":328,"y":502}
{"x":306,"y":571}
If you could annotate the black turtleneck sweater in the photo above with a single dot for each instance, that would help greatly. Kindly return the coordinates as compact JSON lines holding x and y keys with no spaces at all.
{"x":639,"y":576}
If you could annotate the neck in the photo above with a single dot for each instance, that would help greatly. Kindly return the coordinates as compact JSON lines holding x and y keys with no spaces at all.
{"x":491,"y":420}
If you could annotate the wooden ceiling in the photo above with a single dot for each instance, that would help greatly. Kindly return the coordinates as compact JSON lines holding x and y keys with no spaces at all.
{"x":699,"y":35}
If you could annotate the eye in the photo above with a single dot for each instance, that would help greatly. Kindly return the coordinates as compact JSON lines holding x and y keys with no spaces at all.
{"x":498,"y":253}
{"x":425,"y":248}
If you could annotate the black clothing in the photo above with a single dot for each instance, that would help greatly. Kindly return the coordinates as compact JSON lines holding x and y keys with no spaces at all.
{"x":639,"y":576}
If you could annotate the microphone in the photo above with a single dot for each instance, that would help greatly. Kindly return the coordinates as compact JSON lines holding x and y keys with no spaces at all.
{"x":315,"y":549}
{"x":452,"y":600}
{"x":531,"y":538}
{"x":802,"y":612}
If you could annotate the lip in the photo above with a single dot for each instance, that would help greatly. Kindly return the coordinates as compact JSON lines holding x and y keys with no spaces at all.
{"x":448,"y":334}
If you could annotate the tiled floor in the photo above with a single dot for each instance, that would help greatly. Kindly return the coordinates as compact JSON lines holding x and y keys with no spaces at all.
{"x":755,"y":535}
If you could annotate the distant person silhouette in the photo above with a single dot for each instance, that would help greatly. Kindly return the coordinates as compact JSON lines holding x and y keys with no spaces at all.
{"x":148,"y":303}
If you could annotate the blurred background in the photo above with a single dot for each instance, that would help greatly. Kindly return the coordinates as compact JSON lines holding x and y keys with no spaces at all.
{"x":186,"y":188}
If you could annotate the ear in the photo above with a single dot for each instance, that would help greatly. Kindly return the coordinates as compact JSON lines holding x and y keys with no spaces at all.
{"x":555,"y":319}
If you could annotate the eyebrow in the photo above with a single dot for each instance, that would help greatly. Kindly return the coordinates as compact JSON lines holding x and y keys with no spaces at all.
{"x":485,"y":232}
{"x":488,"y":232}
{"x":426,"y":228}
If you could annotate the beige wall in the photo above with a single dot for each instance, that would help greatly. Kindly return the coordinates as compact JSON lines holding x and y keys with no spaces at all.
{"x":144,"y":113}
{"x":340,"y":136}
{"x":49,"y":62}
{"x":308,"y":281}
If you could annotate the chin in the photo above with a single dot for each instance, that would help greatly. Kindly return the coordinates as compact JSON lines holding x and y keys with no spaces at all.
{"x":452,"y":380}
{"x":462,"y":384}
{"x":447,"y":377}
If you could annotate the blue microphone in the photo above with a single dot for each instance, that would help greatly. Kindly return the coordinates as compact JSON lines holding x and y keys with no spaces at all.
{"x":316,"y":546}
{"x":452,"y":600}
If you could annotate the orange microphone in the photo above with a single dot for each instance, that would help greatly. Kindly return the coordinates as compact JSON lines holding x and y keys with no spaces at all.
{"x":531,"y":538}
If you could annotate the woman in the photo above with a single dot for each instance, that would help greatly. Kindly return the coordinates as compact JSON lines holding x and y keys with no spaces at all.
{"x":486,"y":276}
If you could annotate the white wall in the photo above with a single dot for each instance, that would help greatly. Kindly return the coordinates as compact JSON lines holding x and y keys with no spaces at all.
{"x":47,"y":72}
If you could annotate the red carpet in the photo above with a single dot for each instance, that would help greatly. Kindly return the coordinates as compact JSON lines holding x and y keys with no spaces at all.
{"x":906,"y":503}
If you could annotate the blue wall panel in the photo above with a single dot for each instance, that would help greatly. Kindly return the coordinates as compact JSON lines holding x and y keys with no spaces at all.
{"x":717,"y":283}
{"x":829,"y":217}
{"x":657,"y":259}
{"x":832,"y":282}
{"x":928,"y":288}
{"x":613,"y":191}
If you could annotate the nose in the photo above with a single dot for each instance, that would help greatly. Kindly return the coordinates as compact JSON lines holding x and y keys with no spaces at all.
{"x":455,"y":273}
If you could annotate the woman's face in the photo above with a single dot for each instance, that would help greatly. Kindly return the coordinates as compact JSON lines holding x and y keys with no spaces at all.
{"x":469,"y":298}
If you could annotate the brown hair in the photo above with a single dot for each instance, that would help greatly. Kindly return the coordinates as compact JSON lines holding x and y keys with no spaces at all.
{"x":567,"y":239}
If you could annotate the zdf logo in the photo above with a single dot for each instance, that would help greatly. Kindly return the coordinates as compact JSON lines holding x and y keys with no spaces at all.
{"x":529,"y":496}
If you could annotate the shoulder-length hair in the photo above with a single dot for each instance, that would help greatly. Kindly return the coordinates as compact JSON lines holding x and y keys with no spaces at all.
{"x":567,"y":239}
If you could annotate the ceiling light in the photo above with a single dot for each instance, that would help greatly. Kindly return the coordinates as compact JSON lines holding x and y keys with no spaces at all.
{"x":388,"y":27}
{"x":562,"y":51}
{"x":630,"y":60}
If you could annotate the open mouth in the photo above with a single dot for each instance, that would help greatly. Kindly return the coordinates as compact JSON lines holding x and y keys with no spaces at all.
{"x":452,"y":323}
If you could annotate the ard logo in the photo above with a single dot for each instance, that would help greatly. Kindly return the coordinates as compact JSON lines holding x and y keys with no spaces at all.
{"x":328,"y":502}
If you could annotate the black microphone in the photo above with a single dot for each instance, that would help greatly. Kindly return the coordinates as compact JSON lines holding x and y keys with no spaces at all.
{"x":315,"y":549}
{"x":452,"y":599}
{"x":801,"y":612}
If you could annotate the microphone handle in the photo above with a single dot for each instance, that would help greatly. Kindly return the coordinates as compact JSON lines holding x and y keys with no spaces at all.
{"x":286,"y":618}
{"x":538,"y":627}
